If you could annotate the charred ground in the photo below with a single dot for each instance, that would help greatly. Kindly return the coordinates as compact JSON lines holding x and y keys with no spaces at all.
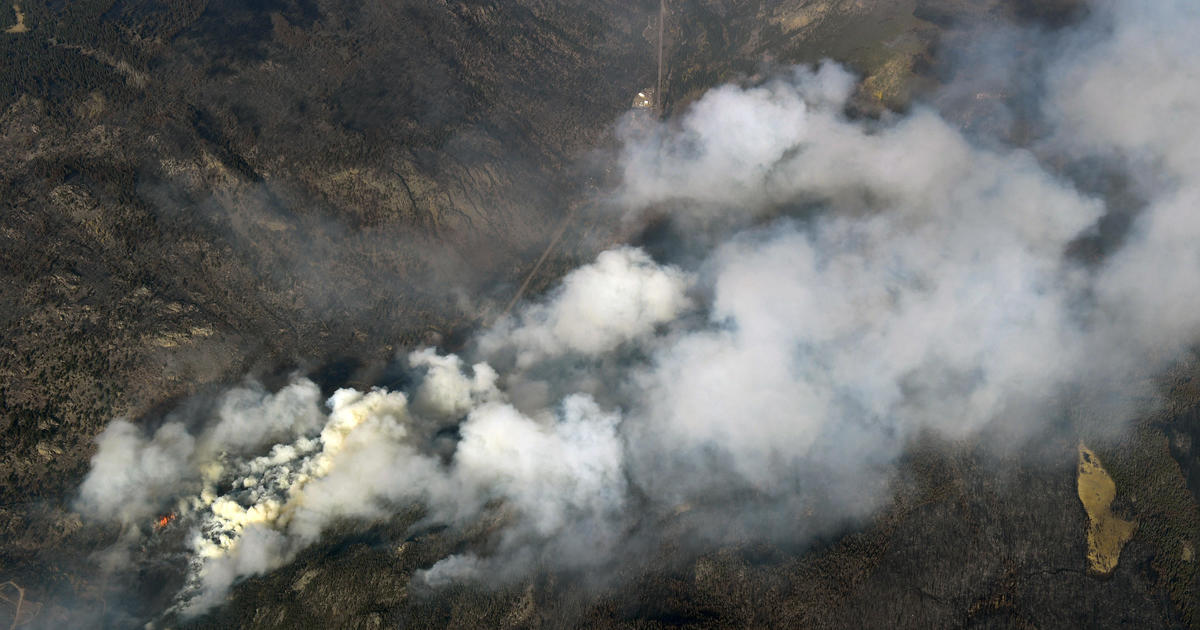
{"x":194,"y":191}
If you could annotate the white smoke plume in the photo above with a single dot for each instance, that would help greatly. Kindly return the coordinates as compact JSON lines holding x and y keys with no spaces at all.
{"x":620,"y":297}
{"x":1135,"y":96}
{"x":556,"y":472}
{"x":133,"y":475}
{"x":871,"y":281}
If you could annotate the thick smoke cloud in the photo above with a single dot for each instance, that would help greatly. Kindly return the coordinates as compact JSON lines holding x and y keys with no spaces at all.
{"x":554,"y":473}
{"x":729,"y":143}
{"x":867,"y":281}
{"x":620,"y":297}
{"x":268,"y":473}
{"x":931,"y":291}
{"x":1133,"y":96}
{"x":132,"y":475}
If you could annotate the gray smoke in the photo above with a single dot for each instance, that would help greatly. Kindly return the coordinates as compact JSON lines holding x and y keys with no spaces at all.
{"x":858,"y":283}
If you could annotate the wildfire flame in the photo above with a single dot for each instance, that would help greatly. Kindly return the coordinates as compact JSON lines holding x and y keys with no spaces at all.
{"x":164,"y":520}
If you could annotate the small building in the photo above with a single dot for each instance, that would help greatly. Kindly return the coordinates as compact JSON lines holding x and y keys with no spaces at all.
{"x":644,"y":99}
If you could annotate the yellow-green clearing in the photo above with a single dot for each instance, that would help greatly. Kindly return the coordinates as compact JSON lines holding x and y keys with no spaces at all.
{"x":1107,"y":533}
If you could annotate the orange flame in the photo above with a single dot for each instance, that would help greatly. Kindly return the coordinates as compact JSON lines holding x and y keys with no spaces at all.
{"x":164,"y":520}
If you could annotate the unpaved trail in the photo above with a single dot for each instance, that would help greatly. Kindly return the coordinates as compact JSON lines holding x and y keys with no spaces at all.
{"x":562,"y":227}
{"x":23,"y":610}
{"x":658,"y":106}
{"x":658,"y":92}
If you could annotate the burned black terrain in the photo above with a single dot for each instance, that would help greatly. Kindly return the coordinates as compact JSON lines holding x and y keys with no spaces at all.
{"x":191,"y":192}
